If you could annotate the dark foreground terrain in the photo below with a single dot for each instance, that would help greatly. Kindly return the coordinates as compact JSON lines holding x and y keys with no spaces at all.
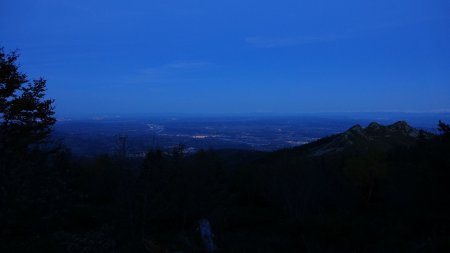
{"x":372,"y":189}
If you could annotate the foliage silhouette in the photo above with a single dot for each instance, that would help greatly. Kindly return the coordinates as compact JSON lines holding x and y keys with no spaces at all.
{"x":26,"y":116}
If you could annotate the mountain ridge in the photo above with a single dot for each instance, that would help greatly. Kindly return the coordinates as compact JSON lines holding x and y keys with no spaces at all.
{"x":375,"y":136}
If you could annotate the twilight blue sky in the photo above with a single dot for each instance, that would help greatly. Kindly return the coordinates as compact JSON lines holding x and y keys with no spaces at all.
{"x":234,"y":56}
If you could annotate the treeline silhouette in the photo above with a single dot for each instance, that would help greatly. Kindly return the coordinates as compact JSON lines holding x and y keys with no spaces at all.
{"x":365,"y":199}
{"x":396,"y":201}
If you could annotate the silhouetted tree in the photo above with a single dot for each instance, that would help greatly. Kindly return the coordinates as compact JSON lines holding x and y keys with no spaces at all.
{"x":26,"y":117}
{"x":444,"y":128}
{"x":30,"y":187}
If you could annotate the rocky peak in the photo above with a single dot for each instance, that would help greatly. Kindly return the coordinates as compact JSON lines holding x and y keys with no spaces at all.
{"x":376,"y":129}
{"x":356,"y":129}
{"x":403,"y":128}
{"x":374,"y":135}
{"x":400,"y":126}
{"x":374,"y":126}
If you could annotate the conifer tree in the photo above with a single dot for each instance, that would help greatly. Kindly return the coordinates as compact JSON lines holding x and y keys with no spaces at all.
{"x":26,"y":116}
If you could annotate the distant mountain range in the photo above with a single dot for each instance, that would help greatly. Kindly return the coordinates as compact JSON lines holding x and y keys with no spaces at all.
{"x":374,"y":136}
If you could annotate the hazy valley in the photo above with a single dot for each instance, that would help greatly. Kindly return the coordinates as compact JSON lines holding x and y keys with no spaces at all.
{"x":99,"y":135}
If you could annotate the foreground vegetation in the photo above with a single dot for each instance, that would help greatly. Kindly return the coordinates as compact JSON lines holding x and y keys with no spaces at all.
{"x":376,"y":200}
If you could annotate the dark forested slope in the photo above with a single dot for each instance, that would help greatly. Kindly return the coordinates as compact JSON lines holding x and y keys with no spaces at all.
{"x":373,"y":189}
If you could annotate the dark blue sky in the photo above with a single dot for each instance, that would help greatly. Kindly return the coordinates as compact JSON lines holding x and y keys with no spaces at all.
{"x":234,"y":56}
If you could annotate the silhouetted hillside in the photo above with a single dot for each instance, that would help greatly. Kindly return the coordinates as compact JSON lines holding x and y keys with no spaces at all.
{"x":373,"y":189}
{"x":375,"y":136}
